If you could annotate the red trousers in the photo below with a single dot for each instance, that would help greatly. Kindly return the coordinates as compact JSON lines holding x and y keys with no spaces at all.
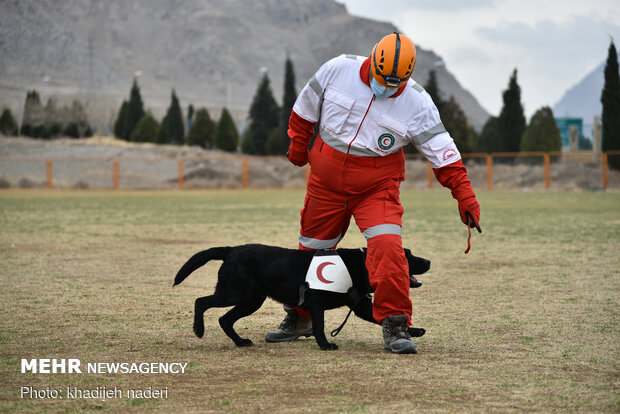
{"x":367,"y":188}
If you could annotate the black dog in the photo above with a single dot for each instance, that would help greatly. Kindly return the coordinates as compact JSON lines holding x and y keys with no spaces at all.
{"x":253,"y":272}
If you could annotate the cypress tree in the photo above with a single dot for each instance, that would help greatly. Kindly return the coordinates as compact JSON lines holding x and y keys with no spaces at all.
{"x":542,"y":133}
{"x":77,"y":123}
{"x":71,"y":130}
{"x":610,"y":98}
{"x":8,"y":124}
{"x":163,"y":134}
{"x":247,"y":144}
{"x":135,"y":111}
{"x":263,"y":116}
{"x":452,"y":116}
{"x":288,"y":100}
{"x":273,"y":146}
{"x":119,"y":125}
{"x":202,"y":131}
{"x":456,"y":124}
{"x":176,"y":126}
{"x":226,"y":136}
{"x":511,"y":118}
{"x":172,"y":130}
{"x":53,"y":118}
{"x":26,"y":117}
{"x":490,"y":139}
{"x":146,"y":130}
{"x":190,"y":117}
{"x":33,"y":119}
{"x":432,"y":88}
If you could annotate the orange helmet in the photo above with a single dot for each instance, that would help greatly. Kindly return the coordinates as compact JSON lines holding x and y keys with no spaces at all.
{"x":392,"y":60}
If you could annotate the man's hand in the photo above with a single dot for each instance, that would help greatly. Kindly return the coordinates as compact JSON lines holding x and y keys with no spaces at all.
{"x":297,"y":158}
{"x":469,"y":209}
{"x":454,"y":176}
{"x":300,"y":132}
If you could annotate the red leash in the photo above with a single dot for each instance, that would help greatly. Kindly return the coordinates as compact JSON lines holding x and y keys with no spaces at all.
{"x":469,"y":217}
{"x":468,"y":237}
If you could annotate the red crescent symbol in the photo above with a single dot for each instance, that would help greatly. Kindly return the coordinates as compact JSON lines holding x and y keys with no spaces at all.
{"x":449,"y":153}
{"x":319,"y":272}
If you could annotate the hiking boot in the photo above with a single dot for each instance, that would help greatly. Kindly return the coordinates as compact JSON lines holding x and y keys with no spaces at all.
{"x":292,"y":327}
{"x":396,"y":336}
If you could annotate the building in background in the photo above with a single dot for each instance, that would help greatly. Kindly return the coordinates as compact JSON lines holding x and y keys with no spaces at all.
{"x":564,"y":125}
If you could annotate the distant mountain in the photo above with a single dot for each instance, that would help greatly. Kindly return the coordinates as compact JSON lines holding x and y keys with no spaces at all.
{"x":583,"y":100}
{"x":212,"y":52}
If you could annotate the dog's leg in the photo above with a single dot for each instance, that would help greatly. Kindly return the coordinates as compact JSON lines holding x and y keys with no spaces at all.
{"x":240,"y":311}
{"x":202,"y":304}
{"x":363,"y":310}
{"x":317,"y":312}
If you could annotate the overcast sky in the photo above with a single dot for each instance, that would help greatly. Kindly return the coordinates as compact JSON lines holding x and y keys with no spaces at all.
{"x":553,"y":44}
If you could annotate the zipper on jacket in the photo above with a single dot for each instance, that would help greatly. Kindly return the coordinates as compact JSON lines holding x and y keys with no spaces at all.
{"x":346,"y":156}
{"x":360,"y":126}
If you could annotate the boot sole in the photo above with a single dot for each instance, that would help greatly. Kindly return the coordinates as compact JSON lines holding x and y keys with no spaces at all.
{"x":404,"y":350}
{"x":289,"y":338}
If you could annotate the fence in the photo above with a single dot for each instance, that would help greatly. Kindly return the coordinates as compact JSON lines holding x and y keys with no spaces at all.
{"x":498,"y":170}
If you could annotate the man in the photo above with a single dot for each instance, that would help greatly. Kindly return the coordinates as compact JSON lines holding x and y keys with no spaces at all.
{"x":368,"y":109}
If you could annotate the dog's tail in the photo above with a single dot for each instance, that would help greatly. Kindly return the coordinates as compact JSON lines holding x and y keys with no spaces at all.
{"x":199,"y":260}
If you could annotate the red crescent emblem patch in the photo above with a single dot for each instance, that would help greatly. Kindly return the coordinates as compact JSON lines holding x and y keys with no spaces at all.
{"x":319,"y":272}
{"x":449,"y":153}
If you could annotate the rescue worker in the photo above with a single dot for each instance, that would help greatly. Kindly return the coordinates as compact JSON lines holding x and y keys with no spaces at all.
{"x":367,"y":110}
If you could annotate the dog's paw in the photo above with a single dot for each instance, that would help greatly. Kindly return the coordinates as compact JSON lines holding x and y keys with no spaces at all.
{"x":244,"y":342}
{"x":330,"y":347}
{"x":199,"y":329}
{"x":416,"y":332}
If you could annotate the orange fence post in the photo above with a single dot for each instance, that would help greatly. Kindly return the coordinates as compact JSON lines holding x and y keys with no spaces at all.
{"x":429,"y":174}
{"x":547,"y":163}
{"x":50,"y":175}
{"x":489,"y":171}
{"x":181,"y":174}
{"x":245,"y":173}
{"x":115,"y":180}
{"x":604,"y":167}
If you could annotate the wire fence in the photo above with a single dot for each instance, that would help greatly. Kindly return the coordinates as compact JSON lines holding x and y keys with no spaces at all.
{"x":536,"y":170}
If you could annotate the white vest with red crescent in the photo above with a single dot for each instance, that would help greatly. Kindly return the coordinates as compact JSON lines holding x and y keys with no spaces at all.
{"x":328,"y":272}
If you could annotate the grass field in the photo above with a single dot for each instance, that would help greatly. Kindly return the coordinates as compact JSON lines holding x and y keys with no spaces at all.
{"x":527,"y":322}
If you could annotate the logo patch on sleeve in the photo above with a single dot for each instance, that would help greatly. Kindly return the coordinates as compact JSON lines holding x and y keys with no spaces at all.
{"x":386,"y":141}
{"x":449,"y":153}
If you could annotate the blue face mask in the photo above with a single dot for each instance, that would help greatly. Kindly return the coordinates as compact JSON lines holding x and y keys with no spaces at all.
{"x":381,"y":91}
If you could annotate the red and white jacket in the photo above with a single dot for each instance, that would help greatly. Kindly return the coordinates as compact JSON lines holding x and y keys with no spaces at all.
{"x":352,"y":120}
{"x":339,"y":97}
